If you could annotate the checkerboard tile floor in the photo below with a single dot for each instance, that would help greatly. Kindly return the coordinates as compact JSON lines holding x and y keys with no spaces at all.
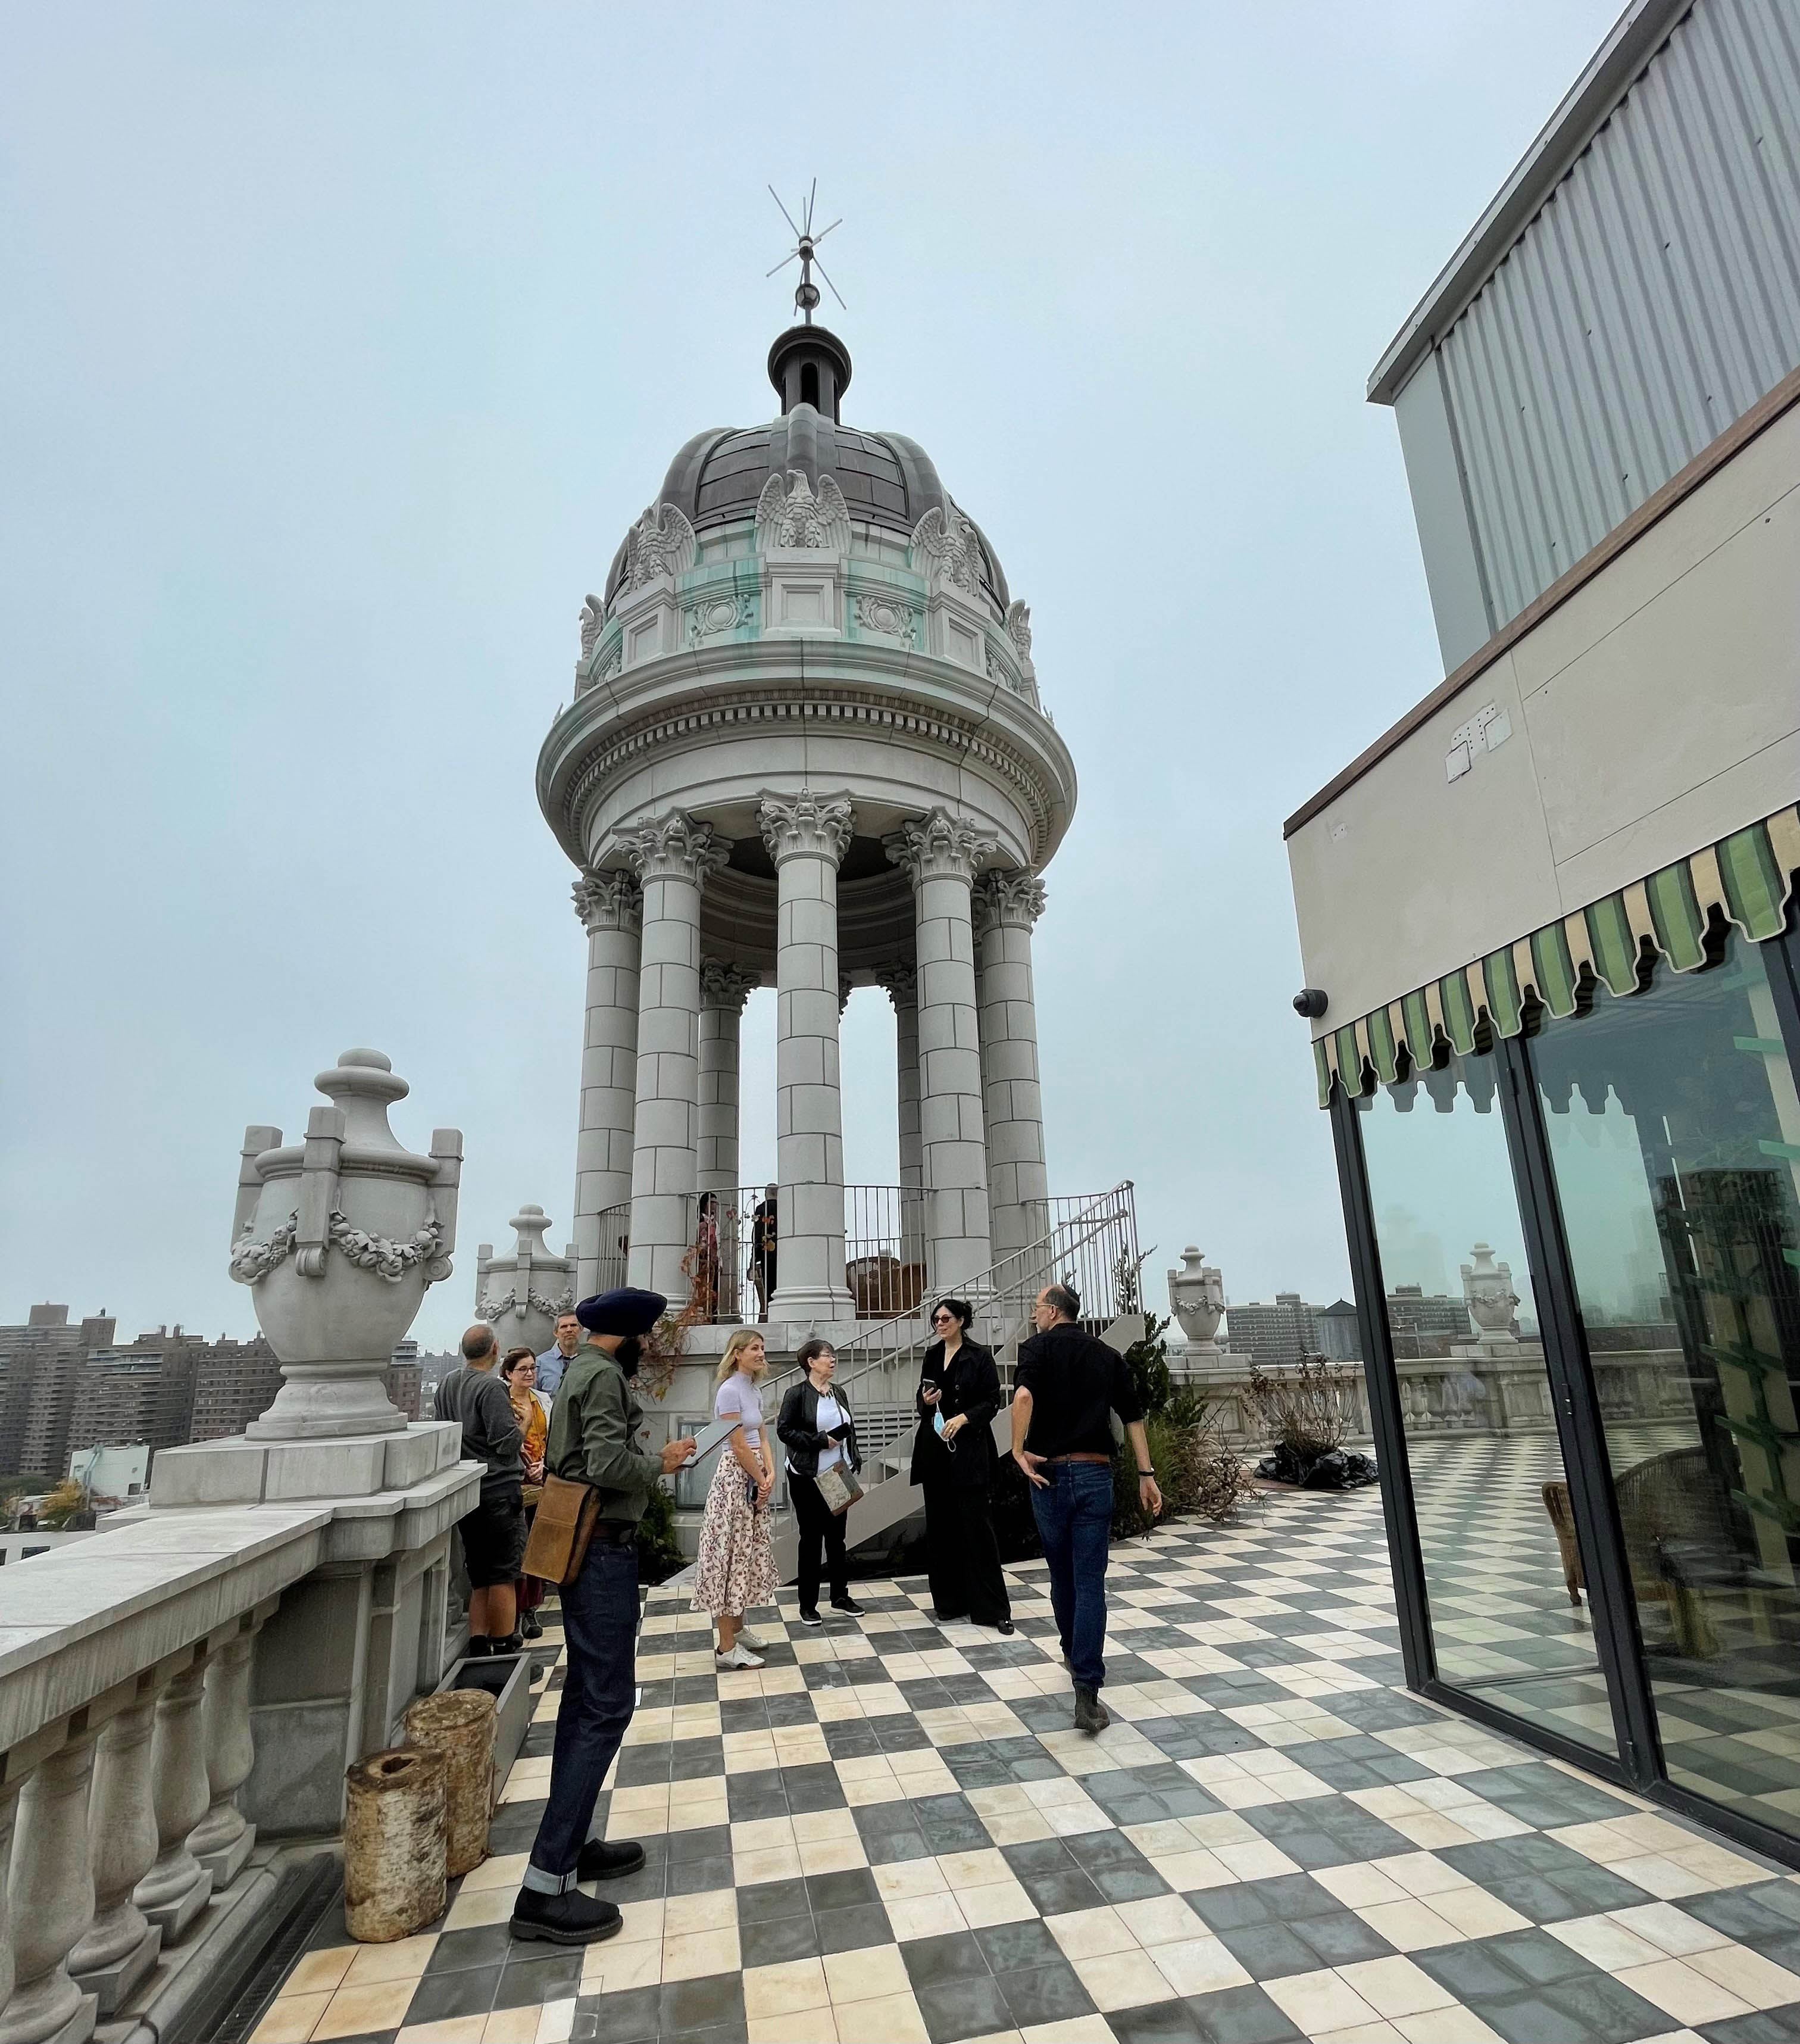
{"x":890,"y":1834}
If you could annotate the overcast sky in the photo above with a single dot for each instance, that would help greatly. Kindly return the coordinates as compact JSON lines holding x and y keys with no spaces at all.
{"x":342,"y":343}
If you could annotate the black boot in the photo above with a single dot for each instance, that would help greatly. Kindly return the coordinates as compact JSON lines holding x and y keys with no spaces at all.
{"x":529,"y":1627}
{"x":1090,"y":1712}
{"x":604,"y":1859}
{"x":571,"y":1918}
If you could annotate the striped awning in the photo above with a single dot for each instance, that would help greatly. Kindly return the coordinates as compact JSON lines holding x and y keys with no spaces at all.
{"x":1747,"y":879}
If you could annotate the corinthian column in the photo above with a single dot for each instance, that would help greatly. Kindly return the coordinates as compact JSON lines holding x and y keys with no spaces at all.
{"x":901,"y":981}
{"x":672,"y":855}
{"x":939,"y":855}
{"x":723,"y":990}
{"x":806,"y":837}
{"x":1007,"y":905}
{"x":609,"y":904}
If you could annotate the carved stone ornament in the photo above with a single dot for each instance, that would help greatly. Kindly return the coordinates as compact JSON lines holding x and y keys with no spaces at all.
{"x":608,"y":901}
{"x":788,"y":514}
{"x":674,"y":846}
{"x":661,"y":543}
{"x":1001,"y":670}
{"x":337,"y":1237}
{"x":887,"y":617}
{"x":1197,"y":1297}
{"x":615,"y":660}
{"x":900,"y":980}
{"x":847,"y":986}
{"x":806,"y":826}
{"x":714,"y":615}
{"x":725,"y":986}
{"x":1019,"y":627}
{"x":946,"y":550}
{"x":940,"y":847}
{"x":1008,"y":900}
{"x":539,"y":1285}
{"x":1488,"y":1291}
{"x":593,"y":622}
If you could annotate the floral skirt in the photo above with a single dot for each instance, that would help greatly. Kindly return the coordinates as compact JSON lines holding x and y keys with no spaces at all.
{"x":735,"y":1569}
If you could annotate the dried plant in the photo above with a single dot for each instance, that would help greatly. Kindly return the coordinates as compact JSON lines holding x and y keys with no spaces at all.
{"x":1306,"y":1408}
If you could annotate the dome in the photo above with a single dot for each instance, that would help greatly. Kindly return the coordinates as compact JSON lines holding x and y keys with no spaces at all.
{"x":718,"y":476}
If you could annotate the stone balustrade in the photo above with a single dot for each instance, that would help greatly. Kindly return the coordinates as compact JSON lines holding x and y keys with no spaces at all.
{"x":193,"y":1677}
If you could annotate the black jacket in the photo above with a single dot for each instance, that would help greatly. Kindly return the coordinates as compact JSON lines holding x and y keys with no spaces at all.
{"x":971,"y":1385}
{"x":797,"y":1428}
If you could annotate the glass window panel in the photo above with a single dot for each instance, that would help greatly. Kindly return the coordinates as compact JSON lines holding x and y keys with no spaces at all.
{"x":1509,"y":1615}
{"x":1674,"y":1135}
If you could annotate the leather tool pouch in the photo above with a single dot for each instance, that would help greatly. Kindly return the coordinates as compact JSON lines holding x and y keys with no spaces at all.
{"x":562,"y":1530}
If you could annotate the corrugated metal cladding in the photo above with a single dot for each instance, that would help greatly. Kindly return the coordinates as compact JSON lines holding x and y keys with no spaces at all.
{"x":1653,"y":300}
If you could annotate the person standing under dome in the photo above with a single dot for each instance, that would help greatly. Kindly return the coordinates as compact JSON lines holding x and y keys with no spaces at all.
{"x":952,"y":1461}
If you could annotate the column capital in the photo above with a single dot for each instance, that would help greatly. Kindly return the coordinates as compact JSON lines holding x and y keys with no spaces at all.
{"x":725,"y":986}
{"x":608,"y":901}
{"x":674,"y":846}
{"x":806,"y":826}
{"x":899,"y":978}
{"x":1008,"y":900}
{"x":939,"y":847}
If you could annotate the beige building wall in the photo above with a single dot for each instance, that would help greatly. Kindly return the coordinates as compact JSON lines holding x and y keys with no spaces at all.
{"x":1654,"y":711}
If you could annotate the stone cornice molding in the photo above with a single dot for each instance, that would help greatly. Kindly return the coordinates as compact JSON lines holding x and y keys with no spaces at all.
{"x":806,"y":826}
{"x":608,"y":901}
{"x":725,"y":986}
{"x":673,"y":846}
{"x":1008,"y":900}
{"x":940,"y":847}
{"x":899,"y":980}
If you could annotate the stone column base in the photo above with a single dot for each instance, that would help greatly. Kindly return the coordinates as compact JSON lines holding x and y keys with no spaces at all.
{"x":171,"y":1919}
{"x":112,"y":1985}
{"x":812,"y":1304}
{"x":229,"y":1861}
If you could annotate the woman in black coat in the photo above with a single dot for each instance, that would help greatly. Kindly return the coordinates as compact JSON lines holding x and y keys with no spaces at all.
{"x":954,"y":1462}
{"x":815,"y":1425}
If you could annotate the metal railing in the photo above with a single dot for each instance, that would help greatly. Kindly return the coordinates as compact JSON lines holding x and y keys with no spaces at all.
{"x":1088,"y":1242}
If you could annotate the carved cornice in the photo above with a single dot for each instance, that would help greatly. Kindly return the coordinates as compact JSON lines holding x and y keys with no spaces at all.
{"x":900,"y":979}
{"x":725,"y":986}
{"x":1008,"y":900}
{"x":806,"y":826}
{"x":608,"y":901}
{"x":674,"y":846}
{"x":940,"y":847}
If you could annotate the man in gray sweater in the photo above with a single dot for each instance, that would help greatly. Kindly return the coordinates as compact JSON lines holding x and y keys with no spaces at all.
{"x":494,"y":1534}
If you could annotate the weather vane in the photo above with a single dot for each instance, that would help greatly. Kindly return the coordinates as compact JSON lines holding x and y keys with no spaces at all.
{"x":805,"y":247}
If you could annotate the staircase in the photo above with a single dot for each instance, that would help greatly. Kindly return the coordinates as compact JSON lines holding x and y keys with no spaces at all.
{"x":1094,"y":1249}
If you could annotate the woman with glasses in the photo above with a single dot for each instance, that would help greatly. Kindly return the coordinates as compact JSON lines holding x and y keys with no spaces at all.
{"x":952,"y":1461}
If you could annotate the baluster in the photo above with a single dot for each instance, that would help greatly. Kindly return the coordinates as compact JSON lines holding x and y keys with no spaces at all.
{"x":176,"y":1888}
{"x":121,"y":1944}
{"x":222,"y":1840}
{"x":9,"y":1809}
{"x":50,"y":1895}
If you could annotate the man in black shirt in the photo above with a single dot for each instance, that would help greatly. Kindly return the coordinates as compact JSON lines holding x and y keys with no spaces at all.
{"x":1067,"y":1387}
{"x":494,"y":1534}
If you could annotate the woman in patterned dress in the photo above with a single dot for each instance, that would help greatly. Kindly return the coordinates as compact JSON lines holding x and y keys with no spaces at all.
{"x":735,"y":1569}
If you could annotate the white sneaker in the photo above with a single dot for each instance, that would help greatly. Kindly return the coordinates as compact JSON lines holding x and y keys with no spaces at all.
{"x":738,"y":1657}
{"x":748,"y":1640}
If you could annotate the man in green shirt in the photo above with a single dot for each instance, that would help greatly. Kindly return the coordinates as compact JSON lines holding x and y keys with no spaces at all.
{"x":593,"y":1440}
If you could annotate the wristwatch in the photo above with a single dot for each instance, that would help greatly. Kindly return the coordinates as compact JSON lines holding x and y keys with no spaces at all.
{"x":1143,"y":1473}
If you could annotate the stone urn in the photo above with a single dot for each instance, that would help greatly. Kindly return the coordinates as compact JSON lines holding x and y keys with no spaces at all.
{"x":1196,"y":1297}
{"x":1487,"y":1288}
{"x":519,"y":1296}
{"x":337,"y":1238}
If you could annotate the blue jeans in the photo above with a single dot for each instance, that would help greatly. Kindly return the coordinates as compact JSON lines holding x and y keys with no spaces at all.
{"x":1074,"y":1516}
{"x":600,"y":1625}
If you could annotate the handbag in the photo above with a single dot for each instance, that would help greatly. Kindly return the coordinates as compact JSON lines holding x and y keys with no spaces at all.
{"x":839,"y":1487}
{"x":562,"y":1530}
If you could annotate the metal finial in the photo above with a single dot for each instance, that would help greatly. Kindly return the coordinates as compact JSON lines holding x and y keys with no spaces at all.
{"x":805,"y":247}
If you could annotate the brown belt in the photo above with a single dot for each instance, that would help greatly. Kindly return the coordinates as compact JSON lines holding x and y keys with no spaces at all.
{"x":615,"y":1532}
{"x":1051,"y":1461}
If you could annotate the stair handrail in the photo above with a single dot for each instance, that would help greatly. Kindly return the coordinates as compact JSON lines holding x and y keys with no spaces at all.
{"x":989,"y":1292}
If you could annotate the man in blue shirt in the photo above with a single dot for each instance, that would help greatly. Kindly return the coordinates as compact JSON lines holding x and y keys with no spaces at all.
{"x":557,"y":1357}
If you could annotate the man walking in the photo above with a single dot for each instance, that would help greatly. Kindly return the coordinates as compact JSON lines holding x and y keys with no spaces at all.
{"x":1067,"y":1386}
{"x":556,"y":1359}
{"x":494,"y":1534}
{"x":593,"y":1440}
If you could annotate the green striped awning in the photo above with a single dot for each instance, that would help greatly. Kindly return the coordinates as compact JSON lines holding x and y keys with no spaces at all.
{"x":1747,"y":878}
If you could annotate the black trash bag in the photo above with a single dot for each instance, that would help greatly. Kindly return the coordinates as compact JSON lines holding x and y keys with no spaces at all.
{"x":1337,"y":1468}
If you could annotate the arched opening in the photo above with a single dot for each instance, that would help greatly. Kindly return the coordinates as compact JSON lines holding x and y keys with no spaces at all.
{"x":809,"y":384}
